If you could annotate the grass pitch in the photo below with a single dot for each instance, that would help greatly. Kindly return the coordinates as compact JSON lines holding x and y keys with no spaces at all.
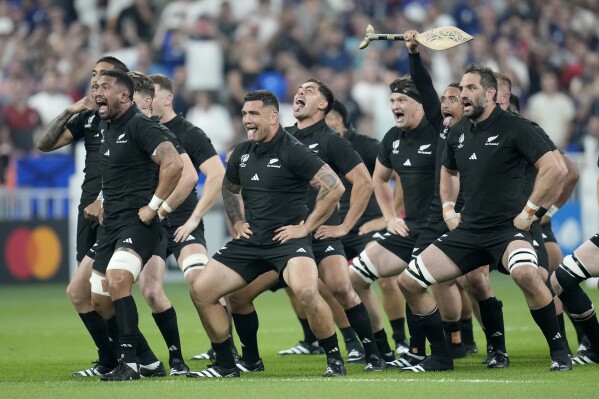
{"x":42,"y":341}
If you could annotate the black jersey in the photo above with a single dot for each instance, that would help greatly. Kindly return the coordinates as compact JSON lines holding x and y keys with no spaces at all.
{"x":411,"y":153}
{"x":199,"y":148}
{"x":490,"y":158}
{"x":274,"y":178}
{"x":432,"y":106}
{"x":85,"y":125}
{"x":333,"y":149}
{"x":530,"y":172}
{"x":368,"y":149}
{"x":128,"y":172}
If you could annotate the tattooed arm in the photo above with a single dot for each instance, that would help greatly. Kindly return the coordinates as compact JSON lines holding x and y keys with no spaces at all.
{"x":58,"y":135}
{"x":234,"y":209}
{"x":330,"y":189}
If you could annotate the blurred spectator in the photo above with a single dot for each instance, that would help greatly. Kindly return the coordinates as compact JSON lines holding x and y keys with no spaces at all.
{"x":20,"y":122}
{"x":552,"y":110}
{"x":204,"y":55}
{"x":135,"y":22}
{"x":212,"y":118}
{"x":51,"y":100}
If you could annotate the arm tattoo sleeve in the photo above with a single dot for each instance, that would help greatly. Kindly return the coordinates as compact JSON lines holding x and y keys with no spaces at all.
{"x":50,"y":137}
{"x":324,"y":181}
{"x":231,"y":200}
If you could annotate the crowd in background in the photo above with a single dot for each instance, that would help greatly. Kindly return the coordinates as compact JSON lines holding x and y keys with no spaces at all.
{"x":217,"y":50}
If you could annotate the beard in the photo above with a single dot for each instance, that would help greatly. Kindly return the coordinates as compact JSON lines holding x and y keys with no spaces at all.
{"x":477,"y":109}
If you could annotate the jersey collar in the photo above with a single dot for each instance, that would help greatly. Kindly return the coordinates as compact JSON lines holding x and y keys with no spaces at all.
{"x":120,"y":121}
{"x":262,"y":148}
{"x":311,"y":129}
{"x":484,"y":125}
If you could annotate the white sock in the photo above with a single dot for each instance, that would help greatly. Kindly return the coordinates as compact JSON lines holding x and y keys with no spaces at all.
{"x":152,"y":366}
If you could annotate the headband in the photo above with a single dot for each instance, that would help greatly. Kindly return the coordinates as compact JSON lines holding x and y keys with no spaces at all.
{"x":407,"y":92}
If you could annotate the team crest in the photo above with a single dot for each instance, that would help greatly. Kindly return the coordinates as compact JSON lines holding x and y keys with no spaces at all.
{"x":244,"y":159}
{"x":461,"y":141}
{"x":395,"y":147}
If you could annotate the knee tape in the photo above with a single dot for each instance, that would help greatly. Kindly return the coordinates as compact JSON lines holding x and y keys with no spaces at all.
{"x":364,"y":267}
{"x":124,"y":260}
{"x":577,"y":302}
{"x":96,"y":282}
{"x":418,"y":271}
{"x":522,"y":257}
{"x":193,"y":261}
{"x":571,"y":272}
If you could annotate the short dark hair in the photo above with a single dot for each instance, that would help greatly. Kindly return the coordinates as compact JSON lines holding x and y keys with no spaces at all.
{"x":326,"y":92}
{"x":515,"y":103}
{"x":455,"y":85}
{"x":121,"y":79}
{"x":163,"y":81}
{"x":487,"y":77}
{"x":266,"y":96}
{"x":340,"y":108}
{"x":405,"y":85}
{"x":142,"y":84}
{"x":115,"y":62}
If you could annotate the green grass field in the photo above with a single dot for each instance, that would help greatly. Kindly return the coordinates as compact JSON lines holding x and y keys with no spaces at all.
{"x":42,"y":341}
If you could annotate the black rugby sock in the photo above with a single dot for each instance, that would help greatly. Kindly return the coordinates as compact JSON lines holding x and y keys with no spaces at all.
{"x":348,"y":334}
{"x":467,"y":331}
{"x":452,"y":332}
{"x":562,"y":329}
{"x":359,"y":319}
{"x":144,"y":352}
{"x":547,"y":322}
{"x":399,"y":332}
{"x":432,"y":326}
{"x":113,"y":335}
{"x":167,"y":324}
{"x":380,"y":337}
{"x":331,"y":347}
{"x":491,"y":314}
{"x":96,"y":326}
{"x":417,"y":337}
{"x":247,"y":330}
{"x":224,"y":354}
{"x":127,"y":319}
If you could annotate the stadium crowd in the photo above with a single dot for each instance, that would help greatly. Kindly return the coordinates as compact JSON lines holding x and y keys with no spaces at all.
{"x":547,"y":48}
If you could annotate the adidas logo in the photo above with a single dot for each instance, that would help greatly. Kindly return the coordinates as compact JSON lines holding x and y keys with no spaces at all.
{"x":519,"y":235}
{"x":407,"y":163}
{"x":107,"y":153}
{"x":255,"y":177}
{"x":497,"y":334}
{"x":128,"y":241}
{"x":544,"y":235}
{"x":473,"y":156}
{"x":312,"y":146}
{"x":334,"y":350}
{"x":172,"y":348}
{"x":126,"y":346}
{"x":366,"y":341}
{"x":301,"y":250}
{"x":329,"y":249}
{"x":557,"y":336}
{"x":535,"y":243}
{"x":377,"y":235}
{"x":190,"y":237}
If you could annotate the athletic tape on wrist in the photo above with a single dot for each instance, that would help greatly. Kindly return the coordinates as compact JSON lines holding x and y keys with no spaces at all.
{"x":448,"y":203}
{"x":532,"y":205}
{"x":167,"y":207}
{"x":552,"y":211}
{"x":155,"y":203}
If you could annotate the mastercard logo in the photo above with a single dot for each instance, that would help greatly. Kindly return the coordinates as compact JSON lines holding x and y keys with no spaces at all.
{"x":33,"y":253}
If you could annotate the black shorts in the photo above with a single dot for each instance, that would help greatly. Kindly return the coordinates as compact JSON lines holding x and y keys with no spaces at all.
{"x":325,"y":248}
{"x":536,"y":232}
{"x":403,"y":247}
{"x":196,"y":237}
{"x":547,"y":230}
{"x":250,"y":260}
{"x":433,"y":229}
{"x":354,"y":243}
{"x":141,"y":238}
{"x":470,"y":249}
{"x":87,"y":235}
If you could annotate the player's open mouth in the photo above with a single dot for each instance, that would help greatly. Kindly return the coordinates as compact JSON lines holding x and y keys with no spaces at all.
{"x":447,"y":118}
{"x":251,"y":132}
{"x":399,"y":116}
{"x":298,"y":104}
{"x":102,"y":106}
